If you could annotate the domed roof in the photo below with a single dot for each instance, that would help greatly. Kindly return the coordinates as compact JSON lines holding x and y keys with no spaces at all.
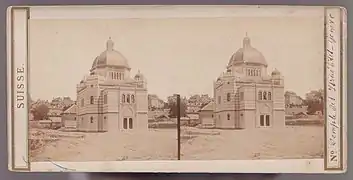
{"x":110,"y":57}
{"x":139,"y":75}
{"x":247,"y":54}
{"x":275,"y":72}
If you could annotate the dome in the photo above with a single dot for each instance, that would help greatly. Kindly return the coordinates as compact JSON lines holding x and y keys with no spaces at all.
{"x":275,"y":72}
{"x":110,"y":57}
{"x":139,"y":75}
{"x":247,"y":54}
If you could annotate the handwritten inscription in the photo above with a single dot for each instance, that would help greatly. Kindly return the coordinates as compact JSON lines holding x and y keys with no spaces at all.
{"x":332,"y":68}
{"x":20,"y":87}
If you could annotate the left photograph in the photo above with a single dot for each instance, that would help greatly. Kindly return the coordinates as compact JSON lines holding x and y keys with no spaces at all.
{"x":88,"y":102}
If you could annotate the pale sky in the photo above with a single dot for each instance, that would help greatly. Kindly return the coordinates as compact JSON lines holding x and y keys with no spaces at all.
{"x":176,"y":55}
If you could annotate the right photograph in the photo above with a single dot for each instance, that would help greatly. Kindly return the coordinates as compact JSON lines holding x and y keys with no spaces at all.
{"x":259,"y":110}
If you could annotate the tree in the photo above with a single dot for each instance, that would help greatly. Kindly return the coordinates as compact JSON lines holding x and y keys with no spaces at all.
{"x":40,"y":112}
{"x":165,"y":106}
{"x":174,"y":110}
{"x":315,"y":101}
{"x":172,"y":105}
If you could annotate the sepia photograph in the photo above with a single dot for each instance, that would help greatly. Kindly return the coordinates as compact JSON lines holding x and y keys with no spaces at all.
{"x":168,"y":85}
{"x":267,"y":102}
{"x":110,"y":85}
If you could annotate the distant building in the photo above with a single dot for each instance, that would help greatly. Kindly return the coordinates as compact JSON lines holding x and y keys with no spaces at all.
{"x":69,"y":117}
{"x":246,"y":96}
{"x":54,"y":114}
{"x":301,"y":115}
{"x":292,"y":99}
{"x":190,"y":119}
{"x":155,"y":102}
{"x":193,"y":116}
{"x":206,"y":115}
{"x":296,"y":109}
{"x":152,"y":115}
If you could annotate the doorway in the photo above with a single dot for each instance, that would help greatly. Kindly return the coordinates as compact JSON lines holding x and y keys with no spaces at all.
{"x":128,"y":123}
{"x":265,"y":120}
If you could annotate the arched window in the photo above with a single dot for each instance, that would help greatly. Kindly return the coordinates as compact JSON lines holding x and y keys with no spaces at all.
{"x":130,"y":123}
{"x":252,"y":72}
{"x":257,"y":72}
{"x":91,"y":119}
{"x":91,"y":100}
{"x":269,"y":95}
{"x":228,"y":116}
{"x":264,"y":96}
{"x":248,"y":72}
{"x":128,"y":98}
{"x":132,"y":98}
{"x":82,"y":102}
{"x":123,"y":98}
{"x":112,"y":75}
{"x":228,"y":96}
{"x":105,"y":99}
{"x":122,"y":76}
{"x":125,"y":123}
{"x":260,"y":95}
{"x":119,"y":76}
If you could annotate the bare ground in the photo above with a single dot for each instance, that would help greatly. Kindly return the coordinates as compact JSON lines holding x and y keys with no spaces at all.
{"x":161,"y":144}
{"x":292,"y":142}
{"x":117,"y":146}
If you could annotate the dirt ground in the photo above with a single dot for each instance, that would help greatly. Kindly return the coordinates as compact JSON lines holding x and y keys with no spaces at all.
{"x":291,"y":142}
{"x":75,"y":146}
{"x":196,"y":144}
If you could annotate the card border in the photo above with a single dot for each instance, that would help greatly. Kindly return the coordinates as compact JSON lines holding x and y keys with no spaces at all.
{"x":12,"y":66}
{"x":342,"y":43}
{"x":342,"y":83}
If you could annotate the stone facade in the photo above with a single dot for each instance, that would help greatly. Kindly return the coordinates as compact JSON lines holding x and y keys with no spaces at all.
{"x":245,"y":95}
{"x":108,"y":99}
